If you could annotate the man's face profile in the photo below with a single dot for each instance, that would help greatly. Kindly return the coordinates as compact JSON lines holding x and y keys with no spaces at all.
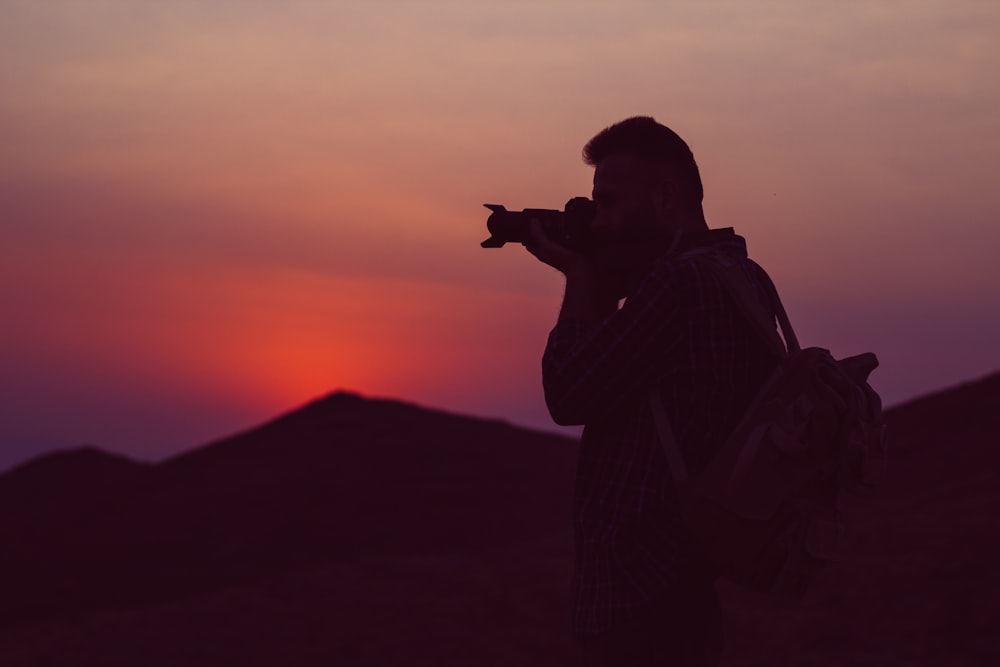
{"x":625,"y":220}
{"x":625,"y":211}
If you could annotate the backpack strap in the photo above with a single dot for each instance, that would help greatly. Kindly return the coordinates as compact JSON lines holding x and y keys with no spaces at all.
{"x":671,"y":448}
{"x":752,"y":309}
{"x":753,"y":312}
{"x":791,"y":340}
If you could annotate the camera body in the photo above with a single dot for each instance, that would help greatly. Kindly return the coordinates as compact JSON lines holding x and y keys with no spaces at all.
{"x":570,"y":228}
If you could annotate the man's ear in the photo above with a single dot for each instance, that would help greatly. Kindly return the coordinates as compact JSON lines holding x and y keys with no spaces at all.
{"x":666,"y":197}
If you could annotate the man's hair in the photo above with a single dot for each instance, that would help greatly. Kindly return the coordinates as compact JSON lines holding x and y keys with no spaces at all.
{"x":658,"y":147}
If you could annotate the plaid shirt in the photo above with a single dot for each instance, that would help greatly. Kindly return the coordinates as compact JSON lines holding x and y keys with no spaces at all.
{"x":680,"y":332}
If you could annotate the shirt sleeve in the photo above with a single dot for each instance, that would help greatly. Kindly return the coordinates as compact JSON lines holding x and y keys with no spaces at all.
{"x":589,"y":369}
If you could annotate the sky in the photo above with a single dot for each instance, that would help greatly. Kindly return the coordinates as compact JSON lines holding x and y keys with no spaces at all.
{"x":212,"y":212}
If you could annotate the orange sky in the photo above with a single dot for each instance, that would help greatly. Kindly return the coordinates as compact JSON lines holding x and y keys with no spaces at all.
{"x":211,"y":212}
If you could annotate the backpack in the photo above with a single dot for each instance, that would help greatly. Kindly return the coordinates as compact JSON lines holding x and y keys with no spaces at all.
{"x":766,"y":510}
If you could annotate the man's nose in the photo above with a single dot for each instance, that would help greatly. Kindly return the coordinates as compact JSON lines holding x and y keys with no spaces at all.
{"x":601,"y":220}
{"x":603,"y":227}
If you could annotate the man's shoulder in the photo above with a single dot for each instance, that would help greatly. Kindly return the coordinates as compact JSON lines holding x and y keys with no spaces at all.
{"x":692,"y":277}
{"x":693,"y":257}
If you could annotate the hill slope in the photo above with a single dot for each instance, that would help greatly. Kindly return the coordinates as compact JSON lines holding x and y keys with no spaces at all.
{"x":342,"y":479}
{"x":363,"y":532}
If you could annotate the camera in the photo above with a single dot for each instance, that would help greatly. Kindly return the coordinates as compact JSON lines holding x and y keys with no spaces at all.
{"x":570,"y":228}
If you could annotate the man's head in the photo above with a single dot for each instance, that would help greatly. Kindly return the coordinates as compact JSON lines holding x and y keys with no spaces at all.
{"x":646,"y":182}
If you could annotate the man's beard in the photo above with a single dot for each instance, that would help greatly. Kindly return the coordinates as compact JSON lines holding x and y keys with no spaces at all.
{"x":623,"y":259}
{"x":623,"y":265}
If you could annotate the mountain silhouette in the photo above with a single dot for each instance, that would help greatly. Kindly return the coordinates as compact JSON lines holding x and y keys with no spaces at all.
{"x":343,"y":478}
{"x":358,"y":531}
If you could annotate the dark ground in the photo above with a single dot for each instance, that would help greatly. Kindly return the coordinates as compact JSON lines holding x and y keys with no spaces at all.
{"x":360,"y":532}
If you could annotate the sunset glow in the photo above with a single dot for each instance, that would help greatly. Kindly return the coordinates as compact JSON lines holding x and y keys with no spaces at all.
{"x":211,"y":213}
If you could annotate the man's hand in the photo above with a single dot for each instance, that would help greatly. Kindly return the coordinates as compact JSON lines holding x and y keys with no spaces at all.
{"x":557,"y":256}
{"x":587,"y":297}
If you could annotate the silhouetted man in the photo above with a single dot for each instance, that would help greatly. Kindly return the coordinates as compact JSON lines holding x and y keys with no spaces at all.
{"x":642,"y":593}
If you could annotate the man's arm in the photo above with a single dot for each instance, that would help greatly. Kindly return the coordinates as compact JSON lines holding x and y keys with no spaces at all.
{"x":587,"y":298}
{"x":597,"y":354}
